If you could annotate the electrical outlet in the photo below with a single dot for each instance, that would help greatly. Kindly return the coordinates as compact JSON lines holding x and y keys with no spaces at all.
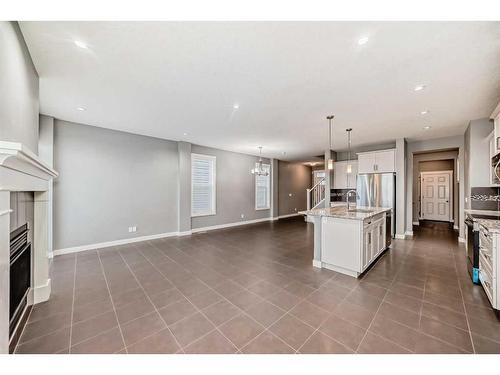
{"x":242,"y":216}
{"x":132,"y":229}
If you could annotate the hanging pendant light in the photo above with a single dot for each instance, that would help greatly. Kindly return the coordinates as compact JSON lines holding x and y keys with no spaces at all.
{"x":330,"y":160}
{"x":349,"y":165}
{"x":259,"y":169}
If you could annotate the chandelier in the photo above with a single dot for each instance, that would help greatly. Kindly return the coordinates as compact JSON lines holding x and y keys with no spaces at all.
{"x":259,"y":170}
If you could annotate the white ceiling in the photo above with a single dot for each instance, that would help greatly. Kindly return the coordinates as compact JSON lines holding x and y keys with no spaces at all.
{"x":165,"y":79}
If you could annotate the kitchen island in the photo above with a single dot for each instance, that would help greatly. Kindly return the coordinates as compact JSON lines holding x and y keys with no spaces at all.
{"x":348,"y":241}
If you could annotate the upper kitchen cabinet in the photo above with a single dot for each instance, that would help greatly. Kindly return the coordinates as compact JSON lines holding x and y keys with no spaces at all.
{"x":495,"y":116}
{"x":377,"y":161}
{"x":341,"y":178}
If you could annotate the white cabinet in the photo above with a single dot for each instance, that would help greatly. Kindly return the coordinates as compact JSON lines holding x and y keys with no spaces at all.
{"x":489,"y":266}
{"x":373,"y":240}
{"x":496,"y":118}
{"x":350,"y":246}
{"x":342,"y":179}
{"x":377,"y":162}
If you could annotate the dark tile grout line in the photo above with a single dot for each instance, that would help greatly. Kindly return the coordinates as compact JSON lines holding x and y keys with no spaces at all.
{"x":112,"y":302}
{"x":243,"y":311}
{"x":199,"y":310}
{"x":289,"y":311}
{"x":455,"y":266}
{"x":72,"y":307}
{"x":150,"y":301}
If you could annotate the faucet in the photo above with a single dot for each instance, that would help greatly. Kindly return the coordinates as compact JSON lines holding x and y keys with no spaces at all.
{"x":349,"y":193}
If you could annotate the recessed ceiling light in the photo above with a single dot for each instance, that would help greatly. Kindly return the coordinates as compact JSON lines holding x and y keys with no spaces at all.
{"x":185,"y":133}
{"x":362,"y":40}
{"x":81,"y":109}
{"x":426,"y":127}
{"x":236,"y":106}
{"x":424,"y":112}
{"x":419,"y":87}
{"x":81,"y":44}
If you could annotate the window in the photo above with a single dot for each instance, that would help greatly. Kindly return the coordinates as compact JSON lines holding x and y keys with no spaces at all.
{"x":203,"y":185}
{"x":263,"y":189}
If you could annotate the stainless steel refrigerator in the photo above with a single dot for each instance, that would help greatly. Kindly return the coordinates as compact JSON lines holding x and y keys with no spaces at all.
{"x":378,"y":190}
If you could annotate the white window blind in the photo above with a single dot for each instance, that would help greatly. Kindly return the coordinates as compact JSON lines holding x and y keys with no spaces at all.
{"x":203,"y":185}
{"x":263,"y":189}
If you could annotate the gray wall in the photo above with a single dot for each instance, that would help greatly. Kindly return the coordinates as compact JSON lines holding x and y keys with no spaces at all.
{"x":433,"y":145}
{"x":293,"y":180}
{"x":110,"y":180}
{"x":18,"y":89}
{"x":235,"y":188}
{"x":477,"y":155}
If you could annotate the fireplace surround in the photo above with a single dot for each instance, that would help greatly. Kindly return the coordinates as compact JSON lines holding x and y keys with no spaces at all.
{"x":22,"y":170}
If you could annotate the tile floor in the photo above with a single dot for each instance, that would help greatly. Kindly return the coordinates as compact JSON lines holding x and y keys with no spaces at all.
{"x":253,"y":290}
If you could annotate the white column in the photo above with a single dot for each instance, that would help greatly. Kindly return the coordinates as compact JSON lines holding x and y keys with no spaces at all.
{"x":317,"y":241}
{"x":41,"y":280}
{"x":4,"y":270}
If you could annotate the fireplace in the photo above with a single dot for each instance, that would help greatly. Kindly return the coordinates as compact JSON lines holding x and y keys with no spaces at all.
{"x":20,"y":275}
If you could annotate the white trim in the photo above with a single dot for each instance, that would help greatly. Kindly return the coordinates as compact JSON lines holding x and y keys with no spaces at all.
{"x":76,"y":249}
{"x":289,"y":215}
{"x":400,"y":236}
{"x":409,"y":233}
{"x":417,"y":223}
{"x":42,"y":293}
{"x":456,"y":227}
{"x":461,"y":239}
{"x":94,"y":246}
{"x":317,"y":263}
{"x":229,"y":225}
{"x":5,"y":212}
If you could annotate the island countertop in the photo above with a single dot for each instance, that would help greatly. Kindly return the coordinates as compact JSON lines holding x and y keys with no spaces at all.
{"x":342,"y":212}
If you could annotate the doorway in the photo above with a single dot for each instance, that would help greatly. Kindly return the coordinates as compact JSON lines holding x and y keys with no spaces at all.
{"x":436,"y":196}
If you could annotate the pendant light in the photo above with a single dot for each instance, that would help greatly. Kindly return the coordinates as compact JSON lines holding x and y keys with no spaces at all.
{"x":259,"y":170}
{"x":349,"y":165}
{"x":330,"y":160}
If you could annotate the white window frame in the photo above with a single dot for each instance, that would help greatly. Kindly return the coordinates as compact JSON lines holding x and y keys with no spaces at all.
{"x":268,"y":207}
{"x":214,"y":189}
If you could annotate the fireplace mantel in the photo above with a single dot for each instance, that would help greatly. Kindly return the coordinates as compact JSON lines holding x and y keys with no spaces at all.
{"x":22,"y":170}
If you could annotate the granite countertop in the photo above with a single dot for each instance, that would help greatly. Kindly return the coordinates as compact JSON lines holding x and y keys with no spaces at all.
{"x":490,"y":224}
{"x":342,"y":213}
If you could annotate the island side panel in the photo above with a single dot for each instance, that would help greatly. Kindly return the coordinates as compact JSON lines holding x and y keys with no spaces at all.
{"x":317,"y":241}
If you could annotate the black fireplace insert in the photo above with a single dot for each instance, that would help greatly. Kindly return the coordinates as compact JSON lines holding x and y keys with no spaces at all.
{"x":20,"y":274}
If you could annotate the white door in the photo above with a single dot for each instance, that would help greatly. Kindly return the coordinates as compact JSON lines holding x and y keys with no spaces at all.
{"x":435,"y":196}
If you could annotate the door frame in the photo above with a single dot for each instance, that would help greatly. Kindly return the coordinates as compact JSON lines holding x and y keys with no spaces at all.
{"x":451,"y":201}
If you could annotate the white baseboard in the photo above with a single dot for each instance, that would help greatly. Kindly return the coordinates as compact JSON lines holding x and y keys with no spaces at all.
{"x":93,"y":246}
{"x":317,"y":263}
{"x":230,"y":225}
{"x":400,"y":236}
{"x":416,"y":223}
{"x":42,"y":293}
{"x":461,"y":239}
{"x":409,"y":233}
{"x":456,"y":227}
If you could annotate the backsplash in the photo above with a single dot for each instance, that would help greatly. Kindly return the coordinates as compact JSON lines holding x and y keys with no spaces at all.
{"x":337,"y":195}
{"x":485,"y":198}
